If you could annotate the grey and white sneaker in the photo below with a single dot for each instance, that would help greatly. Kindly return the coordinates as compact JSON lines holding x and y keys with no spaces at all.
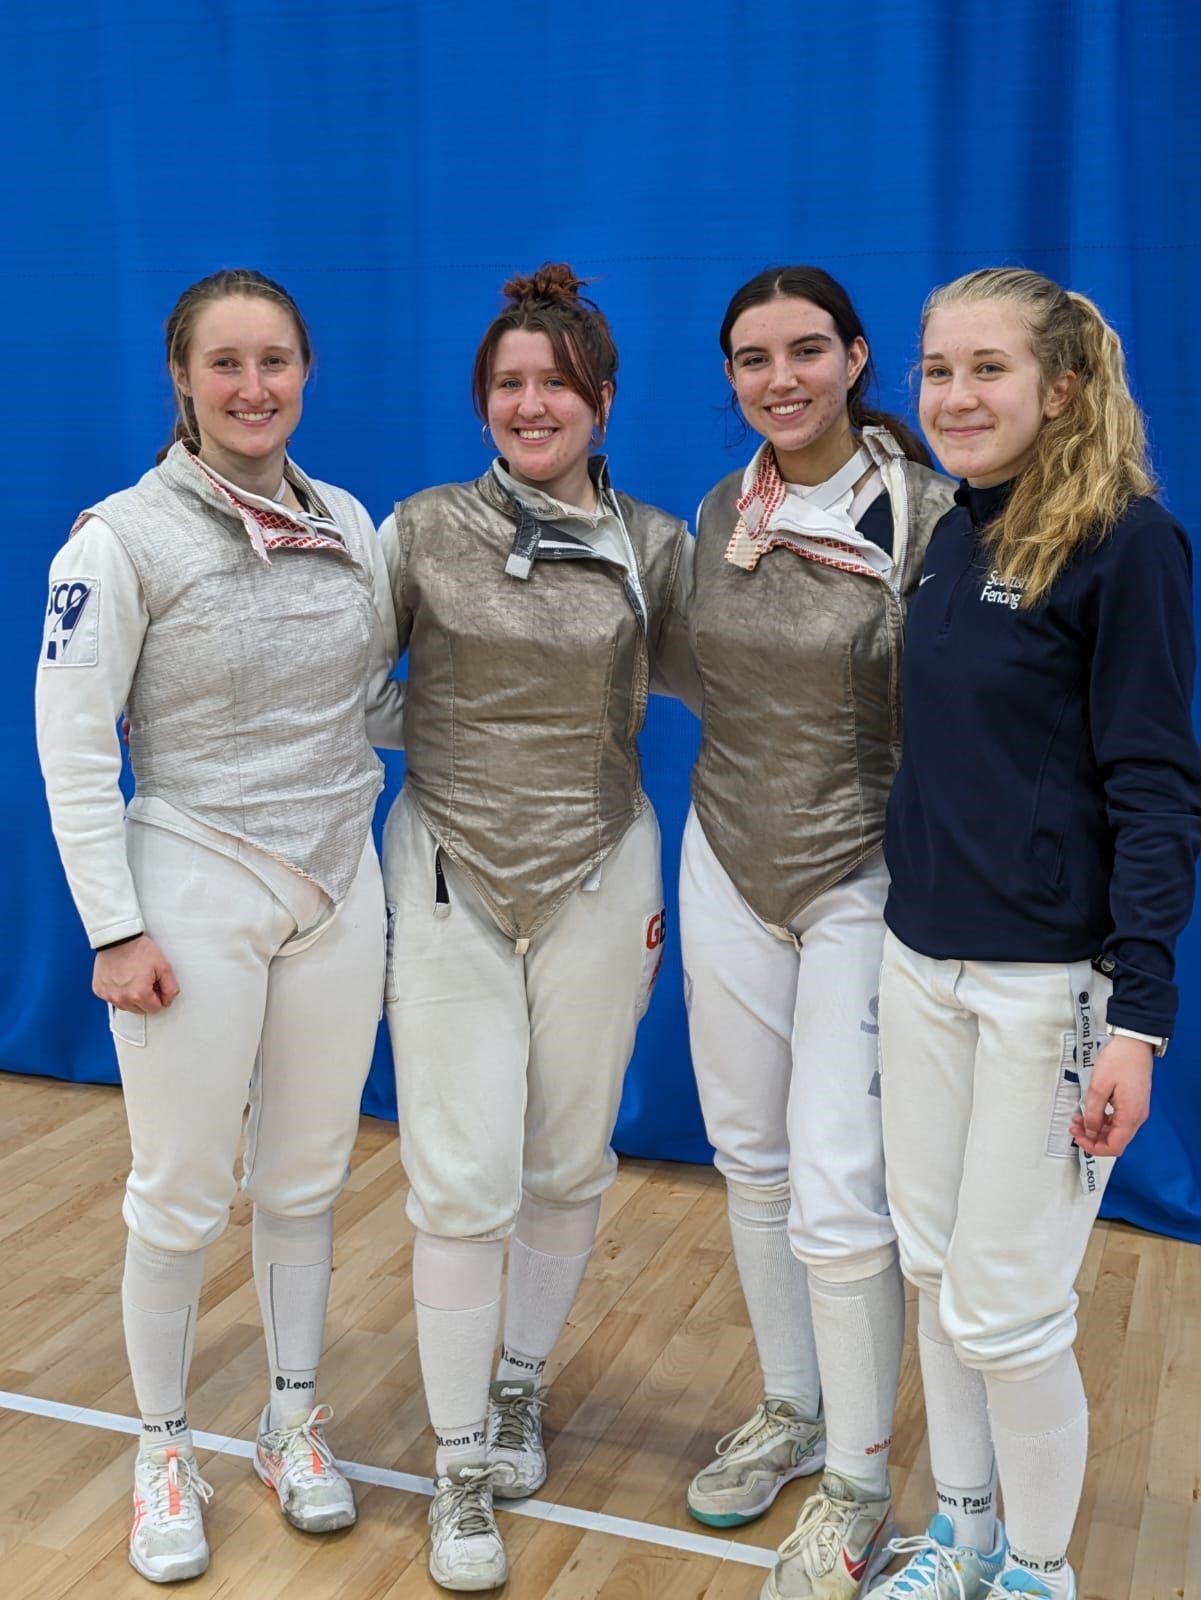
{"x":297,"y":1463}
{"x":754,"y":1462}
{"x":465,"y":1548}
{"x":515,"y":1435}
{"x":166,"y":1539}
{"x":840,"y":1543}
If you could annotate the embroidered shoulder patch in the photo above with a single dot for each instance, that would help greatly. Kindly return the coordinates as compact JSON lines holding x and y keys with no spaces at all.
{"x":72,"y":634}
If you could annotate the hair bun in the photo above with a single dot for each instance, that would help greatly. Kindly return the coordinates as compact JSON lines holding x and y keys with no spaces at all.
{"x":553,"y":281}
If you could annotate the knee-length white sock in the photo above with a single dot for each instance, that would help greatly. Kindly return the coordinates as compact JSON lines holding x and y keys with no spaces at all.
{"x":775,"y":1286}
{"x":160,"y":1298}
{"x":1040,"y":1430}
{"x":858,"y":1327}
{"x":293,"y":1259}
{"x":961,"y":1448}
{"x":548,"y":1256}
{"x":456,"y":1293}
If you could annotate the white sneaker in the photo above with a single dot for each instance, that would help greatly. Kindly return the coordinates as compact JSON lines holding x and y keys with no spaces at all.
{"x":465,"y":1548}
{"x":166,"y":1541}
{"x":296,"y":1461}
{"x":939,"y":1569}
{"x":838,"y":1546}
{"x":754,"y":1463}
{"x":515,"y":1435}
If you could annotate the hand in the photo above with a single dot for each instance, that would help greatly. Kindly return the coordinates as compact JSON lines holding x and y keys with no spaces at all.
{"x":134,"y":977}
{"x":1119,"y":1098}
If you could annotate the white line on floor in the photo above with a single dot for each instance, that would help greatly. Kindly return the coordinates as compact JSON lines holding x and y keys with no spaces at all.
{"x":592,"y":1521}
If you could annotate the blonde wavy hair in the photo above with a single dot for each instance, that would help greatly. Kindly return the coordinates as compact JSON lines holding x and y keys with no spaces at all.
{"x":1091,"y":460}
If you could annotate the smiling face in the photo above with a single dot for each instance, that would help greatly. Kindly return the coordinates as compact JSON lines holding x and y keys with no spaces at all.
{"x":542,"y":427}
{"x":984,"y":397}
{"x":245,"y":376}
{"x":792,"y":373}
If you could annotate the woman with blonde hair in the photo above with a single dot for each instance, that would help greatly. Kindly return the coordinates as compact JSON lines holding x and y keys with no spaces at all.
{"x":522,"y":861}
{"x":1041,"y":838}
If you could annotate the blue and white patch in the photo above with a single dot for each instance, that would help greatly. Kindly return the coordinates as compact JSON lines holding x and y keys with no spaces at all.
{"x":72,"y":633}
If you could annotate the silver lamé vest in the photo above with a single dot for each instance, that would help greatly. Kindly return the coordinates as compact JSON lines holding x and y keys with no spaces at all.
{"x":525,"y":694}
{"x":800,"y":664}
{"x":247,"y":707}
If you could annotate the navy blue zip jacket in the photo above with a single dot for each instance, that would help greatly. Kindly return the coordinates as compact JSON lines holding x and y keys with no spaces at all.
{"x":1048,"y":805}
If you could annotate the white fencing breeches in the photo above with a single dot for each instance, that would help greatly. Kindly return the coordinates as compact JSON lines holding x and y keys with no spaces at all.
{"x":509,"y":1067}
{"x":277,"y":1010}
{"x":783,"y":1031}
{"x":981,"y":1072}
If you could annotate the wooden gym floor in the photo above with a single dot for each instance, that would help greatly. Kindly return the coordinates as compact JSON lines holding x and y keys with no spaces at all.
{"x":656,"y":1363}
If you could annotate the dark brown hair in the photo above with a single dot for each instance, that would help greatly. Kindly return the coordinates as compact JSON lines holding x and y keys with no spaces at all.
{"x":550,"y":302}
{"x":811,"y":283}
{"x":181,"y":325}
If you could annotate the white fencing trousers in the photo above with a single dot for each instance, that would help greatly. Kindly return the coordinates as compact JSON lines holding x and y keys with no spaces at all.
{"x":783,"y":1031}
{"x":509,"y":1066}
{"x":981,"y":1072}
{"x":277,"y":1009}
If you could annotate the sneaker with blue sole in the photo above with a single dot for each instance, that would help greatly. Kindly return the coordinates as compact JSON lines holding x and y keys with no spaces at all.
{"x":940,"y":1569}
{"x":754,"y":1462}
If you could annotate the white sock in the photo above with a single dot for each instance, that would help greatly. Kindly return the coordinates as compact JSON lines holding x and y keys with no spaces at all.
{"x":456,"y":1294}
{"x":548,"y":1256}
{"x":858,"y":1328}
{"x":775,"y":1286}
{"x":160,"y":1297}
{"x":1040,"y":1430}
{"x":961,"y":1449}
{"x":293,"y":1258}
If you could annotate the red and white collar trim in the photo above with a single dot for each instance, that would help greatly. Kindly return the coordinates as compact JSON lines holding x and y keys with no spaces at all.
{"x":268,"y":525}
{"x":763,"y":498}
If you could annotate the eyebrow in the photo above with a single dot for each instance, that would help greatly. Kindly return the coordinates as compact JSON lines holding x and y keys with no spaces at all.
{"x":234,"y":349}
{"x":803,"y":338}
{"x":937,"y":355}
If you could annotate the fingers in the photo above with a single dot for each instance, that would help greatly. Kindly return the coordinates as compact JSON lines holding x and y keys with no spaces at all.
{"x":1096,"y":1103}
{"x":1119,"y":1122}
{"x":135,"y":977}
{"x":167,"y":985}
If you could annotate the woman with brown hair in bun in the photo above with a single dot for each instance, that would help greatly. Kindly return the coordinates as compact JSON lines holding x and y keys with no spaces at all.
{"x":522,"y":863}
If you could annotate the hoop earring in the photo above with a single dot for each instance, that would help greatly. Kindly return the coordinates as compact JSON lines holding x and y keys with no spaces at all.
{"x":486,"y":436}
{"x":597,"y":435}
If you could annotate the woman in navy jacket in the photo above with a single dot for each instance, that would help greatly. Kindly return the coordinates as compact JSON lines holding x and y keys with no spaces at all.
{"x":1041,"y":839}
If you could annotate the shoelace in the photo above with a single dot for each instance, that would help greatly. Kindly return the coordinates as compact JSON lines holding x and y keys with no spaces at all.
{"x":517,"y":1418}
{"x":933,"y":1561}
{"x":996,"y":1592}
{"x":468,"y":1500}
{"x":303,"y":1447}
{"x":757,"y":1425}
{"x":172,"y":1482}
{"x":830,"y":1519}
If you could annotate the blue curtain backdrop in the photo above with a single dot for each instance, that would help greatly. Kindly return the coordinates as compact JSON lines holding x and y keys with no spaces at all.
{"x":393,"y":163}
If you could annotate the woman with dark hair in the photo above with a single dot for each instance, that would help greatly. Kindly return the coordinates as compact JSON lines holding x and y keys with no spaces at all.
{"x":804,"y":563}
{"x":1038,"y":890}
{"x":522,"y":858}
{"x":234,"y":609}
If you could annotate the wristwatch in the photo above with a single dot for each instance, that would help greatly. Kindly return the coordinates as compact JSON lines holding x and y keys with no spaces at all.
{"x":1158,"y":1042}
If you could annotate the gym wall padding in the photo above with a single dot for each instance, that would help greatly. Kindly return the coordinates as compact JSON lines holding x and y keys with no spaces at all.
{"x":392,"y":163}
